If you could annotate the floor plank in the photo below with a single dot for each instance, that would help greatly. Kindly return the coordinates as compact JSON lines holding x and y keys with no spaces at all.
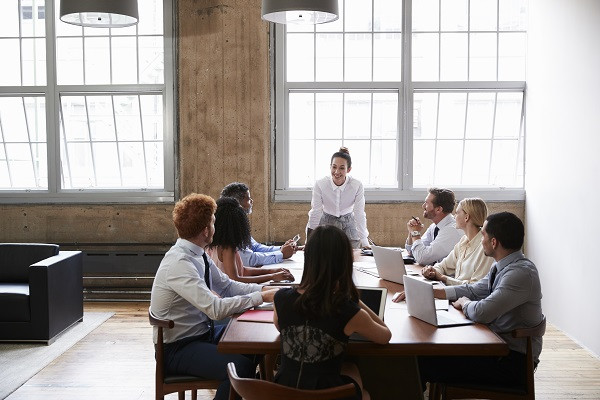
{"x":116,"y":361}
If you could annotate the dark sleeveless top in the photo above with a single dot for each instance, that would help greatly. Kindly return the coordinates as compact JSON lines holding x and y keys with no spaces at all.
{"x":312,"y":351}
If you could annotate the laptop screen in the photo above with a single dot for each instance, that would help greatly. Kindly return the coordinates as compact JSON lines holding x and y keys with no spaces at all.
{"x":374,"y":298}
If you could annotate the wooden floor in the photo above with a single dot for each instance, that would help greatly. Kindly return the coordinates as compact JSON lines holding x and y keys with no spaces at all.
{"x":116,"y":361}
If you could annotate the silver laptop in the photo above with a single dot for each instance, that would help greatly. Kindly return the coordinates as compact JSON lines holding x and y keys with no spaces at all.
{"x":390,"y":264}
{"x":420,"y":303}
{"x":374,"y":298}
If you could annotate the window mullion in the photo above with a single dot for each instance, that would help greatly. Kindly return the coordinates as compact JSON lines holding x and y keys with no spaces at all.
{"x":52,"y":101}
{"x":405,"y":141}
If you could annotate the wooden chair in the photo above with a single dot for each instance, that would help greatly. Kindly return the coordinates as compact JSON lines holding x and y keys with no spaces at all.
{"x":254,"y":389}
{"x":174,"y":383}
{"x":474,"y":391}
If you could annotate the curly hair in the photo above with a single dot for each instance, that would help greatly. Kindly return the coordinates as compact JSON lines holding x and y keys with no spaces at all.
{"x":192,"y":214}
{"x":232,"y":228}
{"x":327,"y":277}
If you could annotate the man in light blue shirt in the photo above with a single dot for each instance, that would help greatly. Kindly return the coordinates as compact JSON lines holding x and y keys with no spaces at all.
{"x":257,"y":254}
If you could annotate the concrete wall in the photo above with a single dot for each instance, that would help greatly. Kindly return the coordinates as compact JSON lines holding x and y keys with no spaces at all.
{"x":563,"y":167}
{"x":224,"y":135}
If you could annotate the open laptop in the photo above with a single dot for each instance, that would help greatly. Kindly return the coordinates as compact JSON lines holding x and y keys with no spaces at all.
{"x":420,"y":303}
{"x":374,"y":298}
{"x":390,"y":264}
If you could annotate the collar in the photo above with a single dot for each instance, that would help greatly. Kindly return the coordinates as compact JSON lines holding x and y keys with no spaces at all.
{"x":509,"y":259}
{"x":191,"y":247}
{"x":335,"y":187}
{"x":447,"y":220}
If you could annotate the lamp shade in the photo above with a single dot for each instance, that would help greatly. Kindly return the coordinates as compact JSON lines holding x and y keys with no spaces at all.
{"x":300,"y":11}
{"x":99,"y":13}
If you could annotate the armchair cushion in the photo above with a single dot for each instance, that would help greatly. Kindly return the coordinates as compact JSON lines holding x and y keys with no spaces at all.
{"x":14,"y":298}
{"x":15,"y":259}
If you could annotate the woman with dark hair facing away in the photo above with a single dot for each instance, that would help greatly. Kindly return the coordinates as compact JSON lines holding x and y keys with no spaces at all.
{"x":232,"y":232}
{"x":339,"y":200}
{"x":316,"y":318}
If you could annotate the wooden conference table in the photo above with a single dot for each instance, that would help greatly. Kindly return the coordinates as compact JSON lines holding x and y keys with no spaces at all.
{"x":388,"y":371}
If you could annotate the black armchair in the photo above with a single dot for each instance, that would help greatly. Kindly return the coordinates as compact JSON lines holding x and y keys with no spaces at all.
{"x":41,"y":291}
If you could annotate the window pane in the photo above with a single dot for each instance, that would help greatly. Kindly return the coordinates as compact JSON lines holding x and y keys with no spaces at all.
{"x":384,"y":164}
{"x":69,"y":61}
{"x":483,"y":15}
{"x":9,"y":25}
{"x":476,"y":166}
{"x":24,"y":162}
{"x":34,"y":61}
{"x":511,"y":62}
{"x":151,"y":17}
{"x":133,"y":164}
{"x":300,"y":57}
{"x":323,"y":151}
{"x":387,"y":57}
{"x":505,"y":159}
{"x":513,"y":15}
{"x":127,"y":116}
{"x":302,"y":161}
{"x":425,"y":57}
{"x":357,"y":115}
{"x":12,"y":120}
{"x":330,"y":57}
{"x":302,"y":116}
{"x":480,"y":115}
{"x":124,"y":60}
{"x":105,"y":160}
{"x":508,"y":115}
{"x":454,"y":57}
{"x":74,"y":118}
{"x":360,"y":150}
{"x":387,"y":15}
{"x":358,"y":57}
{"x":155,"y":164}
{"x":385,"y":116}
{"x":101,"y":118}
{"x":329,"y":115}
{"x":454,"y":15}
{"x":452,"y":115}
{"x":423,"y":165}
{"x":152,"y":117}
{"x":425,"y":115}
{"x":482,"y":57}
{"x":358,"y":16}
{"x":76,"y":166}
{"x":97,"y":61}
{"x":448,"y":162}
{"x":152,"y":61}
{"x":11,"y":65}
{"x":425,"y":15}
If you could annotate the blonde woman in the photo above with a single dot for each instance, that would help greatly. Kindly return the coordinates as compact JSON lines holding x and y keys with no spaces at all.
{"x":466,"y":263}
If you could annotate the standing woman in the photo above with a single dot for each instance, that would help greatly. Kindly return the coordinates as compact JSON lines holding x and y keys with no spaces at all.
{"x":232,"y":233}
{"x":467,"y":263}
{"x":339,"y":200}
{"x":316,"y":318}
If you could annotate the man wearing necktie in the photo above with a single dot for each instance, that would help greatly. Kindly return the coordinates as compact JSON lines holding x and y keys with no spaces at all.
{"x":508,"y":298}
{"x":190,"y":290}
{"x":440,"y":237}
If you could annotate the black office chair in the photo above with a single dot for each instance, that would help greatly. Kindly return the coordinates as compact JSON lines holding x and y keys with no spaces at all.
{"x":174,"y":383}
{"x":474,"y":391}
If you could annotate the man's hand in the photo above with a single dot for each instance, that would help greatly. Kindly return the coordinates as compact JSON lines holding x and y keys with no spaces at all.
{"x":460,"y":303}
{"x":414,"y":224}
{"x":398,"y":297}
{"x":283,"y":275}
{"x":431,"y":273}
{"x":268,"y":294}
{"x":288,"y":249}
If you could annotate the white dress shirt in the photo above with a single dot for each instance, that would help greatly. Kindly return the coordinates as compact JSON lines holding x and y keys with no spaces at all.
{"x":428,"y":250}
{"x":339,"y":200}
{"x":466,"y":262}
{"x":179,"y":293}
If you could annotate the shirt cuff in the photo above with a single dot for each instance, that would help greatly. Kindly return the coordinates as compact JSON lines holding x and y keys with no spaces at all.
{"x":450,"y":293}
{"x":256,"y":298}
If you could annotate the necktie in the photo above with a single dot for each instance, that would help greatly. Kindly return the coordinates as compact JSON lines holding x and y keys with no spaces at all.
{"x":493,"y":276}
{"x":211,"y":324}
{"x":435,"y":232}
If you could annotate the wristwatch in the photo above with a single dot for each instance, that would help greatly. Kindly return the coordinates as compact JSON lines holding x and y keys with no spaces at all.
{"x":415,"y":233}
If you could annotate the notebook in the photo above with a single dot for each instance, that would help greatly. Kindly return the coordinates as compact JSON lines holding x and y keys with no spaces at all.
{"x":257,"y":316}
{"x":420,"y":303}
{"x":374,"y":298}
{"x":390,"y":264}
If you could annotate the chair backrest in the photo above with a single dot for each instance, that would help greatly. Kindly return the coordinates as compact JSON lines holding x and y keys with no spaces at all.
{"x":159,"y":346}
{"x":529,"y":333}
{"x":255,"y":389}
{"x":15,"y":259}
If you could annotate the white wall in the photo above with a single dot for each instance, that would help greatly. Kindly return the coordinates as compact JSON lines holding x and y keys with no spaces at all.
{"x":563,"y":162}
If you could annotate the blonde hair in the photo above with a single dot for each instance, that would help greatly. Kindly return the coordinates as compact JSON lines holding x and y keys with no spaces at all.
{"x":476,"y":208}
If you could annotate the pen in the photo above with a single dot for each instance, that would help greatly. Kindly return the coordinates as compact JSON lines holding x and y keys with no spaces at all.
{"x":415,"y":218}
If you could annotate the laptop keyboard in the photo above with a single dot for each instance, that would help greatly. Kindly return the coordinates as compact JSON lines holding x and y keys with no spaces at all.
{"x":444,"y":320}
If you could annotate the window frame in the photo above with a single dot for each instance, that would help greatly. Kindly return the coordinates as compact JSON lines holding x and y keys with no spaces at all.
{"x":280,"y":90}
{"x":52,"y":92}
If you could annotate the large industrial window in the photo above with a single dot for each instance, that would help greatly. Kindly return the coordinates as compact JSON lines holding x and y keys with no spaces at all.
{"x":423,"y":93}
{"x":86,"y":114}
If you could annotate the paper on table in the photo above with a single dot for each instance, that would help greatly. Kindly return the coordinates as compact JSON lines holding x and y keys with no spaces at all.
{"x":257,"y":316}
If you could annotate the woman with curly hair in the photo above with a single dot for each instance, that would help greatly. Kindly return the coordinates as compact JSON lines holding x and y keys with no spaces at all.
{"x":316,"y":318}
{"x":232,"y":233}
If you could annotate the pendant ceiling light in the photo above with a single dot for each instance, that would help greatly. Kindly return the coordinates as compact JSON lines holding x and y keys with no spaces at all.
{"x":99,"y":13}
{"x":300,"y":11}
